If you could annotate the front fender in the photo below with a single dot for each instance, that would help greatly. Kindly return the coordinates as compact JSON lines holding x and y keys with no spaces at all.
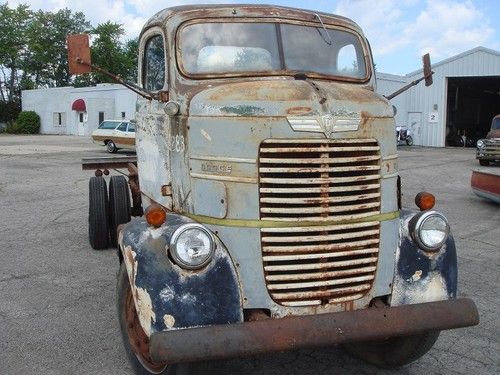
{"x":422,"y":276}
{"x":169,"y":297}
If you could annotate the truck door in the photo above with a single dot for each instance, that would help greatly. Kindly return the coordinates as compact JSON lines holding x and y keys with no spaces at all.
{"x":153,"y":130}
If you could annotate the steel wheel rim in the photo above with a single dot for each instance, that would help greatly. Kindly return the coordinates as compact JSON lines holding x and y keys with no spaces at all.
{"x":138,"y":339}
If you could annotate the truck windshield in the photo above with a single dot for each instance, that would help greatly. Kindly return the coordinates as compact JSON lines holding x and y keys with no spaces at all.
{"x":248,"y":47}
{"x":495,"y":125}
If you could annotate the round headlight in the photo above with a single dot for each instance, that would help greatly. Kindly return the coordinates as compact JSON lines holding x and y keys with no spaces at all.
{"x":430,"y":230}
{"x":480,"y":143}
{"x":192,"y":246}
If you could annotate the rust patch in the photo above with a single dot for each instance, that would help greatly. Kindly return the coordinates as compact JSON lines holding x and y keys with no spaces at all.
{"x":268,"y":91}
{"x":299,"y":110}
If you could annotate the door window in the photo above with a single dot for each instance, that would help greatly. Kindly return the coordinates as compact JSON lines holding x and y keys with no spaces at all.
{"x":122,"y":127}
{"x":154,"y":64}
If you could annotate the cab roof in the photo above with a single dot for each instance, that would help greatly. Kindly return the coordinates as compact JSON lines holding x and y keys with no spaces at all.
{"x":187,"y":12}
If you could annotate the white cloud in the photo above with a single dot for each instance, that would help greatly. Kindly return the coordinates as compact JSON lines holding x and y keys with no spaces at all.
{"x":381,"y":22}
{"x":442,"y":27}
{"x":445,"y":28}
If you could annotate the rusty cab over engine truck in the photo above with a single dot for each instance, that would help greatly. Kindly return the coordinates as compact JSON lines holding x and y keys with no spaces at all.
{"x":267,"y":168}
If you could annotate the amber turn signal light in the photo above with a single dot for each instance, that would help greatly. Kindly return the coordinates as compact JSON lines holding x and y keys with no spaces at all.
{"x":425,"y":201}
{"x":155,"y":215}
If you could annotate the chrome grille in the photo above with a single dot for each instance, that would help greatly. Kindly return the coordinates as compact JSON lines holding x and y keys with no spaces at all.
{"x":319,"y":180}
{"x":491,"y":148}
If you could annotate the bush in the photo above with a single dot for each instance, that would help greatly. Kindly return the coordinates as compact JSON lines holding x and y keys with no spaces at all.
{"x":12,"y":128}
{"x":28,"y":122}
{"x":9,"y":110}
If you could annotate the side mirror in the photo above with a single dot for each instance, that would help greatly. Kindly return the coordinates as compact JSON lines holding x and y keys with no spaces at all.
{"x":426,"y":60}
{"x":78,"y":54}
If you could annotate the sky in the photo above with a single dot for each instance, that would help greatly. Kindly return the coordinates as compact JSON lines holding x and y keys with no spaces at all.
{"x":399,"y":31}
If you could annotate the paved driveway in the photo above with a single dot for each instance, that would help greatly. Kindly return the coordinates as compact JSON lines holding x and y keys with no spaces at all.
{"x":57,"y":309}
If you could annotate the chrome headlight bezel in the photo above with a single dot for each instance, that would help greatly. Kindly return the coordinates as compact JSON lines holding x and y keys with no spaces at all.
{"x":174,"y":242}
{"x":416,"y":230}
{"x":480,"y":143}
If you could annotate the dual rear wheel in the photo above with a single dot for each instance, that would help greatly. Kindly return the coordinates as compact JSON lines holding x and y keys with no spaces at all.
{"x":106,"y":212}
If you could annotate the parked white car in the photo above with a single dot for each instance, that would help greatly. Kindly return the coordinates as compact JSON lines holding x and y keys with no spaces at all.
{"x":115,"y":134}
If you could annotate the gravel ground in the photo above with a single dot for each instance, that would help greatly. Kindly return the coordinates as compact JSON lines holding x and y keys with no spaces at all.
{"x":57,"y":310}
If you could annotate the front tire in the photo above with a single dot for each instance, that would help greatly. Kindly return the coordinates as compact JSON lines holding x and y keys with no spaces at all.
{"x":132,"y":332}
{"x":111,"y":147}
{"x":484,"y":163}
{"x":394,"y":352}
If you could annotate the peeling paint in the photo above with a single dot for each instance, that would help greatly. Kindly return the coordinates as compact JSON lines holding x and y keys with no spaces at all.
{"x":144,"y":308}
{"x":431,"y":289}
{"x":416,"y":276}
{"x":167,"y":294}
{"x":242,"y":110}
{"x":189,"y":298}
{"x":169,"y":321}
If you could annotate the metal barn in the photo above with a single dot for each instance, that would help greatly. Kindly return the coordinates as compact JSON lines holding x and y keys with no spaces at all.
{"x":460,"y":104}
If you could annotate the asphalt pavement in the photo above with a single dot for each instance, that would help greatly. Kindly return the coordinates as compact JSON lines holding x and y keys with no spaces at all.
{"x":57,"y":295}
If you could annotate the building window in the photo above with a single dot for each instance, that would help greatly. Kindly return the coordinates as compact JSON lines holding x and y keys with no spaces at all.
{"x":80,"y":116}
{"x":123,"y":115}
{"x":101,"y":117}
{"x":59,"y":119}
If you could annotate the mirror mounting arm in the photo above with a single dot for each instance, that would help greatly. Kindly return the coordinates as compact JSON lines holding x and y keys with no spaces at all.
{"x":426,"y":60}
{"x":404,"y":88}
{"x":132,"y":86}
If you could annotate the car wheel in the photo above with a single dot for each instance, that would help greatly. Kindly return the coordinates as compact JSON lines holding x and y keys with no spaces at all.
{"x":119,"y":205}
{"x":409,"y":140}
{"x":484,"y":163}
{"x":136,"y":342}
{"x":98,"y":213}
{"x":394,"y":352}
{"x":111,"y":147}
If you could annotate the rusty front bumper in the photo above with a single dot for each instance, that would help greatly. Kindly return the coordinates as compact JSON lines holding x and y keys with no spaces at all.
{"x":239,"y":339}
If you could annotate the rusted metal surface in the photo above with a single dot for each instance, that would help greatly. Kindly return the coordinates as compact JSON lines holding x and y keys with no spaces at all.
{"x":111,"y":162}
{"x":167,"y":297}
{"x":249,"y":338}
{"x":78,"y":50}
{"x":138,"y":339}
{"x":423,"y":276}
{"x":343,"y":257}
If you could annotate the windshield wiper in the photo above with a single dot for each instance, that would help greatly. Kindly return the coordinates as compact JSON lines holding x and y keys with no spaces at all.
{"x":330,"y":41}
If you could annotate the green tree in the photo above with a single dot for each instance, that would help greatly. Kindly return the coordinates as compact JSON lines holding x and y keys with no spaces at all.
{"x":110,"y":53}
{"x":33,"y":52}
{"x":14,"y":24}
{"x":48,"y":63}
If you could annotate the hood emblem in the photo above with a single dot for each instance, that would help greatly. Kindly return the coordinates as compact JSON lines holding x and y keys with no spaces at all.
{"x":327,"y":124}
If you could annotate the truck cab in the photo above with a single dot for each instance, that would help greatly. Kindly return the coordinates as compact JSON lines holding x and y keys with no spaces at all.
{"x":267,"y":168}
{"x":488,"y":149}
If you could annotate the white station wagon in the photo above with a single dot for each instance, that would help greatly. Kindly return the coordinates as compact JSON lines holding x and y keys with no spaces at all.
{"x":115,"y":134}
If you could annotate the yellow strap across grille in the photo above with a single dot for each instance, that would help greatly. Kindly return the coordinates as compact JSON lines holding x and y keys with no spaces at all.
{"x":243,"y":223}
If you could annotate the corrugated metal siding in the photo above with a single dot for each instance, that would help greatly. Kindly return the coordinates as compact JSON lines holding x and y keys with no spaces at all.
{"x":389,"y":83}
{"x":474,"y":63}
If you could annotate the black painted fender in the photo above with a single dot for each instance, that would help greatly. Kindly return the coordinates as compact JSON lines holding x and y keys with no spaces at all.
{"x":422,"y":276}
{"x":169,"y":297}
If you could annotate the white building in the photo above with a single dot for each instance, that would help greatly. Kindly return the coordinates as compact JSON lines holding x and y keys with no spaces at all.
{"x":79,"y":111}
{"x":462,"y":101}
